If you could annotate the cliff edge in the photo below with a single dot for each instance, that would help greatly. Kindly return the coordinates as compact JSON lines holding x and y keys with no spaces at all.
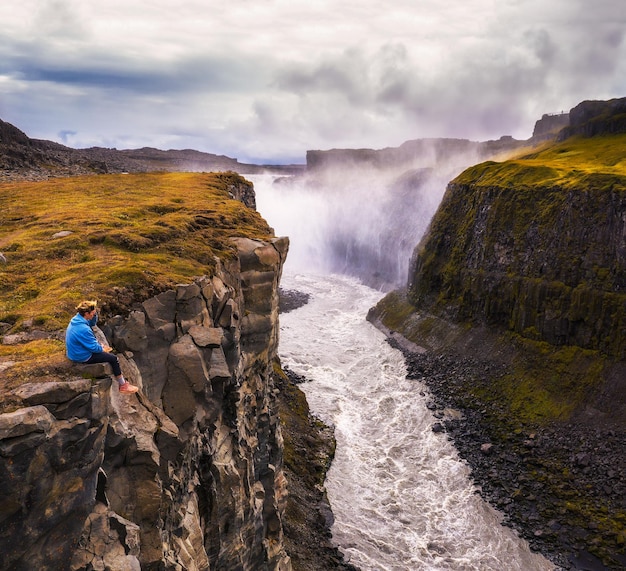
{"x":188,"y":473}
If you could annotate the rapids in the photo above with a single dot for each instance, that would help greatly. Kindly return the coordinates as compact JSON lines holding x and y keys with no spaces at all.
{"x":402,"y":498}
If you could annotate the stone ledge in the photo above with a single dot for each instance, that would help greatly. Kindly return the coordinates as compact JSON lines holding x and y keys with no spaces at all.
{"x":25,"y":421}
{"x":52,"y":392}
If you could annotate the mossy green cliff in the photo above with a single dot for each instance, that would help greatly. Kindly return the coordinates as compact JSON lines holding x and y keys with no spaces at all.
{"x":535,"y":245}
{"x":533,"y":248}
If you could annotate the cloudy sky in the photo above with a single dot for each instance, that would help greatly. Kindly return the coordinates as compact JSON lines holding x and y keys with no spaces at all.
{"x":265,"y":80}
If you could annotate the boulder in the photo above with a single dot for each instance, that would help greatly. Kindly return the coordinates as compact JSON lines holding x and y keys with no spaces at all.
{"x":52,"y":392}
{"x":187,"y":365}
{"x":191,"y":307}
{"x":206,"y":336}
{"x":256,"y":255}
{"x":109,"y":541}
{"x":95,"y":370}
{"x":49,"y":470}
{"x":160,"y":310}
{"x":132,"y":336}
{"x":486,"y":448}
{"x":64,"y":403}
{"x":34,"y":419}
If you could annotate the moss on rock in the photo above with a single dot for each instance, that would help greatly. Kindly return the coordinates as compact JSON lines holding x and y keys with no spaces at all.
{"x":532,"y":253}
{"x":523,"y":275}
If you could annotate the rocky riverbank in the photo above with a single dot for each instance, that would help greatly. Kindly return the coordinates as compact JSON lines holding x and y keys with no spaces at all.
{"x":559,"y":485}
{"x":309,"y":449}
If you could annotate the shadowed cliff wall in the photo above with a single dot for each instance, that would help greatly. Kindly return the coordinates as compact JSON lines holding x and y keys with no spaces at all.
{"x":546,"y":262}
{"x":537,"y":244}
{"x":185,"y":475}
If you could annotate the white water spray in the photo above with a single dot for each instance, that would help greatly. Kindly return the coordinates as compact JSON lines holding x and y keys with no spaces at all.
{"x":365,"y":224}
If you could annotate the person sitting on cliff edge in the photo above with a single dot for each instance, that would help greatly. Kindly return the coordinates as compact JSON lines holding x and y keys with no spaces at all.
{"x":82,"y":347}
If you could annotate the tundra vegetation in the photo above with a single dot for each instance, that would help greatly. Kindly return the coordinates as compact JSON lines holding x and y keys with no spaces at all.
{"x":115,"y":238}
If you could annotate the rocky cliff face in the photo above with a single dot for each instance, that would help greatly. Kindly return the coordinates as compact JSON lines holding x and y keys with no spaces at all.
{"x":187,"y":474}
{"x":549,"y":125}
{"x":516,"y":298}
{"x":545,"y":262}
{"x":537,"y":245}
{"x":409,"y":155}
{"x":592,"y":118}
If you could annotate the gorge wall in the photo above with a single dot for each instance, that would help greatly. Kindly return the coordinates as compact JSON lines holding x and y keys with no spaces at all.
{"x":374,"y":205}
{"x":411,"y":153}
{"x":591,"y":118}
{"x":545,"y":262}
{"x":187,"y":474}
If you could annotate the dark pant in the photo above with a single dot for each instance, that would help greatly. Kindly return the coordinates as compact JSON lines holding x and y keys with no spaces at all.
{"x":106,"y":358}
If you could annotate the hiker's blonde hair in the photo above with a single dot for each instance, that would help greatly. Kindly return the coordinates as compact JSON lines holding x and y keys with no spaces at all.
{"x":86,"y":306}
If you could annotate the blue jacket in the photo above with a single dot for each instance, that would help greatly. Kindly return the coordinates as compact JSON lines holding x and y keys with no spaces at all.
{"x":80,"y":340}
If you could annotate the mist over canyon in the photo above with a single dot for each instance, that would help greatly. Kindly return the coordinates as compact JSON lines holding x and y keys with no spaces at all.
{"x":362,"y":211}
{"x":515,"y":289}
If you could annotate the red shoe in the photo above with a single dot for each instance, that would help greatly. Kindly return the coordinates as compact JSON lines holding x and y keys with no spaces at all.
{"x":128,"y":388}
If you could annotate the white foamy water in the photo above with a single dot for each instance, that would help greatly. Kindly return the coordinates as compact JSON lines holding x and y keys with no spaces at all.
{"x":401,"y":496}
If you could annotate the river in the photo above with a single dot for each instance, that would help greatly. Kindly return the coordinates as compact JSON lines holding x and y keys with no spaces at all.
{"x":402,"y":498}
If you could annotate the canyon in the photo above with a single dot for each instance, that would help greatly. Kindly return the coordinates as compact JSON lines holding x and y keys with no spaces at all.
{"x":515,"y":291}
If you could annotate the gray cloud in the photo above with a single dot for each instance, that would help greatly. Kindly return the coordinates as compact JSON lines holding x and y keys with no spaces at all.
{"x":91,"y":68}
{"x":269,"y":80}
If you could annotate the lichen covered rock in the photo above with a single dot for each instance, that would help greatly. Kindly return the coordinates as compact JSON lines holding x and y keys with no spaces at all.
{"x":543,"y":260}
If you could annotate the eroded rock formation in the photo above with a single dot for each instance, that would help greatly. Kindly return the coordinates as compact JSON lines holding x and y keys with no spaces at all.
{"x":188,"y":473}
{"x":549,"y":125}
